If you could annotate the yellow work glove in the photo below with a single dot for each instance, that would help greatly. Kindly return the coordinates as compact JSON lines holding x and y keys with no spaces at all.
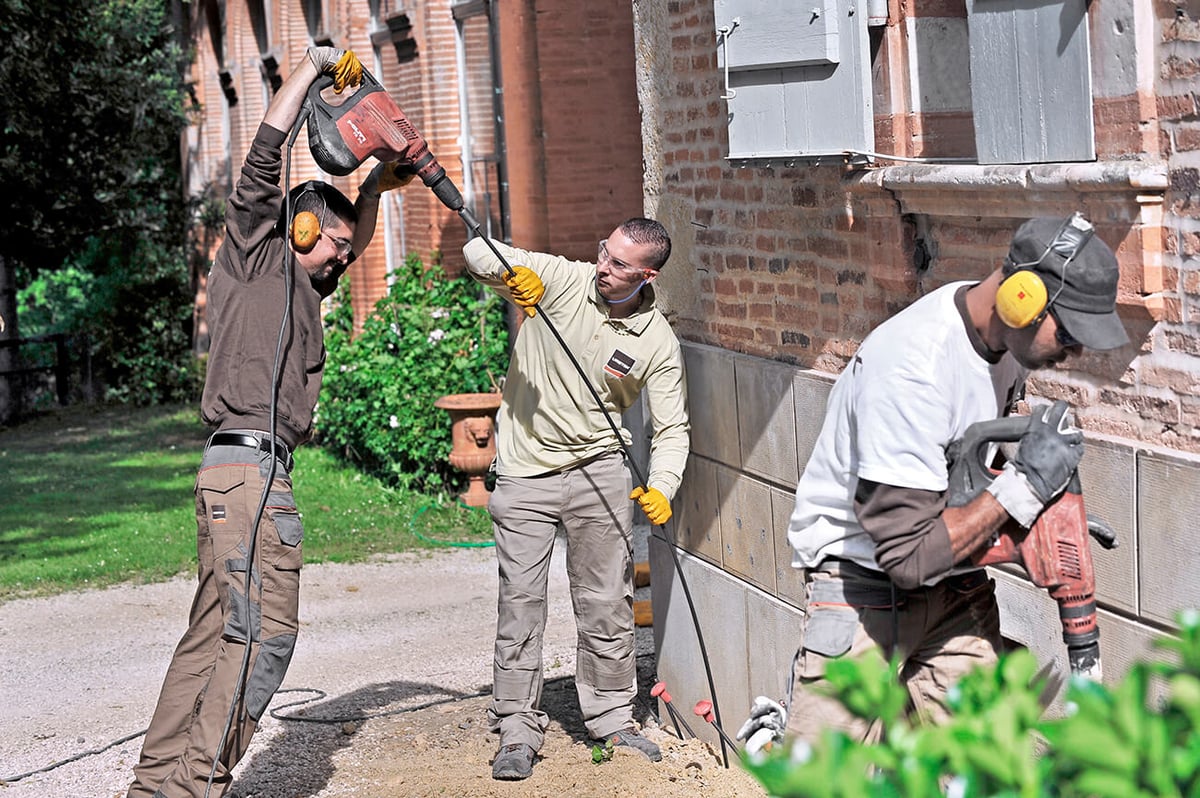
{"x":343,"y":65}
{"x":385,"y":177}
{"x":654,"y":504}
{"x":525,"y":287}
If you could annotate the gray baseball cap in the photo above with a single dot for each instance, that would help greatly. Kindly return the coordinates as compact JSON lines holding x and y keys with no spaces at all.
{"x":1082,"y":289}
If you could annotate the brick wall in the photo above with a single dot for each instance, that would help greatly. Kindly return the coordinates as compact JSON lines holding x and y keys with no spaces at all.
{"x":1172,"y":375}
{"x":572,"y":121}
{"x":798,"y":263}
{"x":570,"y":106}
{"x":592,"y":126}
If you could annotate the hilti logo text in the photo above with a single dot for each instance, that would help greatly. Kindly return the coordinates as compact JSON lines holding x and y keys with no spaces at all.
{"x":358,"y":134}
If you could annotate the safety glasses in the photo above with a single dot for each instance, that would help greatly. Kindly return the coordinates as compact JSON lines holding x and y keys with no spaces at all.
{"x":342,"y":246}
{"x":1064,"y":338}
{"x":620,"y":266}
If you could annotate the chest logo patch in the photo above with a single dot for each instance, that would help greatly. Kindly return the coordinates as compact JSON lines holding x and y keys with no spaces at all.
{"x":619,"y":364}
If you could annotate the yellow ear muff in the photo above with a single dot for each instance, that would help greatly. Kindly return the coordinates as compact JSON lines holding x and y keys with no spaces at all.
{"x":305,"y":230}
{"x":1021,"y":298}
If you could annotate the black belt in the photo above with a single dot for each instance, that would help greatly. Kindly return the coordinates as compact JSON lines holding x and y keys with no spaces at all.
{"x":263,"y":445}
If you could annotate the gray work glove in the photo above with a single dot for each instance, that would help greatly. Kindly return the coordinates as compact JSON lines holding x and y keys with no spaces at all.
{"x":765,"y":726}
{"x":1047,"y":456}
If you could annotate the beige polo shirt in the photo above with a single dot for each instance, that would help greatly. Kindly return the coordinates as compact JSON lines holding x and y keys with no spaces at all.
{"x":549,"y":420}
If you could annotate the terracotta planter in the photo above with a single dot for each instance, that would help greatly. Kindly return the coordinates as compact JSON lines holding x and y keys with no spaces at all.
{"x":472,"y":438}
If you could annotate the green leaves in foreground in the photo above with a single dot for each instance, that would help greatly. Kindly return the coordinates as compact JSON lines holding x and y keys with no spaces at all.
{"x":1138,"y":737}
{"x":602,"y":753}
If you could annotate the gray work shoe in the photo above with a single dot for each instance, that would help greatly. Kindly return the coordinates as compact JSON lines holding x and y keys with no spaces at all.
{"x":513,"y":762}
{"x":633,"y":738}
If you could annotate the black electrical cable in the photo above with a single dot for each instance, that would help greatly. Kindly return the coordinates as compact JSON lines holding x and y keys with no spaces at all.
{"x":69,"y":760}
{"x":319,"y":694}
{"x":275,"y":713}
{"x":474,"y":226}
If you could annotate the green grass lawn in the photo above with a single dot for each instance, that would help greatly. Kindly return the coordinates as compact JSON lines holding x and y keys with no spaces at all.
{"x":95,"y":496}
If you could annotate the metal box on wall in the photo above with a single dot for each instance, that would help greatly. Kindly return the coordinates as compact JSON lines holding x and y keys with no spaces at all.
{"x":796,"y":77}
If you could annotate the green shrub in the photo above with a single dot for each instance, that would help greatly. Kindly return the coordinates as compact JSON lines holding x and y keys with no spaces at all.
{"x":1115,"y":741}
{"x":128,"y":314}
{"x":431,"y":335}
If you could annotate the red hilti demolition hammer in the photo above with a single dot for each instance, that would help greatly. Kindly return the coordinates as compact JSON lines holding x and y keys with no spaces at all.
{"x":1054,"y":551}
{"x":368,"y":123}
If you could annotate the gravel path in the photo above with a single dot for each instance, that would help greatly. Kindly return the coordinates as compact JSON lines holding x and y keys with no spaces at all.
{"x":83,"y":669}
{"x":398,"y":654}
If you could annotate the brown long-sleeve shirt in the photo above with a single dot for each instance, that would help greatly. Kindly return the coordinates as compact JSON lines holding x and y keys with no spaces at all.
{"x":245,"y":309}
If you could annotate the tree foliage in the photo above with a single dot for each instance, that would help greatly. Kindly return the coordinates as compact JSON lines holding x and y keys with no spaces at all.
{"x":90,"y":124}
{"x":92,"y":111}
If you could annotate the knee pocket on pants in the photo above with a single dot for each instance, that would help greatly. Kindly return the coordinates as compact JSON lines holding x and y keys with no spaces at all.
{"x":271,"y":665}
{"x":606,"y":673}
{"x":513,"y":686}
{"x":243,"y":618}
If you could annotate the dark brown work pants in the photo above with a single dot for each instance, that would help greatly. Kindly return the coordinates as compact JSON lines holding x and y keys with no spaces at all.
{"x":203,"y":678}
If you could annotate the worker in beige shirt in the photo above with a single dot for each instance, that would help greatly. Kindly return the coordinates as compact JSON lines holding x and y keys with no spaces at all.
{"x":559,"y":462}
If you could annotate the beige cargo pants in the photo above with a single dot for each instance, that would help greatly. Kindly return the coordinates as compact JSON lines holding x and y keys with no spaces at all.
{"x":940,"y":632}
{"x":592,"y":503}
{"x":202,"y":679}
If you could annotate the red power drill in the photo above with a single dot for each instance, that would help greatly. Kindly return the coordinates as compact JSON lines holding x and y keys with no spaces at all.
{"x":1054,"y":551}
{"x":369,"y":123}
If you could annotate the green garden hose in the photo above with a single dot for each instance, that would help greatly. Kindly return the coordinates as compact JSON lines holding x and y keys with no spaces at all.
{"x":465,"y":544}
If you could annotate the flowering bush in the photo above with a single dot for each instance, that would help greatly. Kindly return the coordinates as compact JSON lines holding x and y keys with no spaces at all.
{"x":431,"y":335}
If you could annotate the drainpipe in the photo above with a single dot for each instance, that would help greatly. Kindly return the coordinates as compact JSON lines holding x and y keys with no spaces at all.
{"x":524,"y":133}
{"x":877,"y":12}
{"x":464,"y":117}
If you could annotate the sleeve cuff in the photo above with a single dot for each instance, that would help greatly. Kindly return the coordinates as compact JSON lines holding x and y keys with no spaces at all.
{"x":1012,"y":490}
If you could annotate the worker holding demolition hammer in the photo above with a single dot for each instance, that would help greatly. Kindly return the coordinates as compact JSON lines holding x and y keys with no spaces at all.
{"x":264,"y":374}
{"x":890,"y":567}
{"x":559,"y":462}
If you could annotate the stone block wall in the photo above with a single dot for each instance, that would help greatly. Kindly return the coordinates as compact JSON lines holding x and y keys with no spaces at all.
{"x":754,"y":422}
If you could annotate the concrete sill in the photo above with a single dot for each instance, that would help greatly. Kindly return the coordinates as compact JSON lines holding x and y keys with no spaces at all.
{"x":1123,"y":198}
{"x":1098,"y":176}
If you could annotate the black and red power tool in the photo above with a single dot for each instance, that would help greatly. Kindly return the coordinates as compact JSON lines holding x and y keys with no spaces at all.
{"x":1054,"y":551}
{"x":368,"y":123}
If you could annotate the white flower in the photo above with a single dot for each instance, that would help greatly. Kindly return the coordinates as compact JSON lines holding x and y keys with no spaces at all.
{"x":396,"y":329}
{"x":393,"y":422}
{"x":439,"y":313}
{"x":436,"y":336}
